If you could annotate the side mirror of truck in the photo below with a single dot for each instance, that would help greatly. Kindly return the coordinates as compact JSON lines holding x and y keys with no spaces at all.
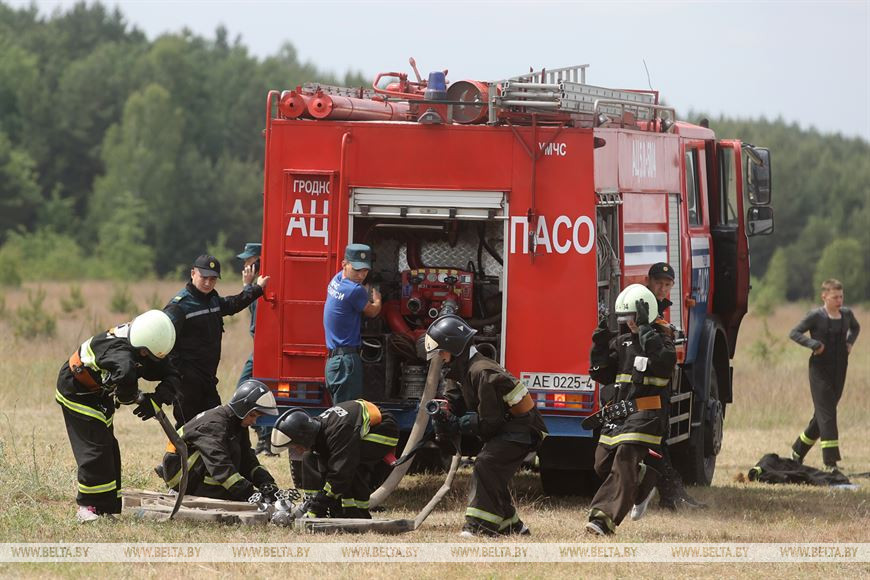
{"x":759,"y":221}
{"x":759,"y":175}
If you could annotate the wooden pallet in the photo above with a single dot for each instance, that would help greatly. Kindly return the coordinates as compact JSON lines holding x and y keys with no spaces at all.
{"x":152,"y":505}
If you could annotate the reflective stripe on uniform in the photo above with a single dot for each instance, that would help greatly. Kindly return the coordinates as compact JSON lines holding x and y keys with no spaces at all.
{"x":806,"y":440}
{"x":83,"y":409}
{"x":509,"y":521}
{"x":597,"y":514}
{"x":190,"y":463}
{"x":630,"y":438}
{"x":349,"y":502}
{"x":209,"y":480}
{"x":201,"y":312}
{"x":514,"y":397}
{"x":101,"y":488}
{"x":232,"y":480}
{"x":654,"y":381}
{"x":382,"y":439}
{"x":89,"y":359}
{"x":328,"y":490}
{"x":829,"y":443}
{"x":483,"y":515}
{"x":365,"y":427}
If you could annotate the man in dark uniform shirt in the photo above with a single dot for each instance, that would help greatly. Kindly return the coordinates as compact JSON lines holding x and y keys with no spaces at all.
{"x":197,"y":312}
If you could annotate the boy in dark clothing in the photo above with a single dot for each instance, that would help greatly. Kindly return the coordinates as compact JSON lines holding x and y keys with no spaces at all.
{"x":833,"y":330}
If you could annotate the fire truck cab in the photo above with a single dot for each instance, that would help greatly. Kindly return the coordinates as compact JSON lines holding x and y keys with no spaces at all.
{"x":524,"y":205}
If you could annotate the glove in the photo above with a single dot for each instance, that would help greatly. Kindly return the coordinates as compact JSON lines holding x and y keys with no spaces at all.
{"x":268,"y":492}
{"x":469,"y":425}
{"x":323,"y":506}
{"x":642,"y":311}
{"x":648,"y":338}
{"x":601,"y":336}
{"x":146,"y":406}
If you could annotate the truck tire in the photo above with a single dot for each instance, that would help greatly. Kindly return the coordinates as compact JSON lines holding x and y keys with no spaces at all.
{"x":697,"y":462}
{"x":558,"y":482}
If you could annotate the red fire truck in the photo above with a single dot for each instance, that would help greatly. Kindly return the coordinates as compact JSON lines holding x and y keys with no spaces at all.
{"x":526,"y":205}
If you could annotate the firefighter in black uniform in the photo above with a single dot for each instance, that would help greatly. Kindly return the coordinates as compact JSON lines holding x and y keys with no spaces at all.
{"x":640,"y":361}
{"x":221,"y":462}
{"x":197,"y":312}
{"x":672,"y":491}
{"x":104,"y":372}
{"x":338,"y":450}
{"x":486,"y":401}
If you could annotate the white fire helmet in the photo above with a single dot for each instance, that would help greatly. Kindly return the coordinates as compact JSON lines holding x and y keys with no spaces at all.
{"x":153,"y":330}
{"x":625,"y":302}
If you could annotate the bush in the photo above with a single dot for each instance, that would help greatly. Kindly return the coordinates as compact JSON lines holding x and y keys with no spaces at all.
{"x":48,"y":255}
{"x":10,"y":273}
{"x":31,"y":320}
{"x":121,"y":301}
{"x":156,"y":301}
{"x":75,"y":301}
{"x":768,"y":348}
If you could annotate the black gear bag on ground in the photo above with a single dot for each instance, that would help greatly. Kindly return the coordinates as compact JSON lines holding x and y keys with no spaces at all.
{"x":775,"y":469}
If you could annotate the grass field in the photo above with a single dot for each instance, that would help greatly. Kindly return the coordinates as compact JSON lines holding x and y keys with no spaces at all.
{"x":772,"y":404}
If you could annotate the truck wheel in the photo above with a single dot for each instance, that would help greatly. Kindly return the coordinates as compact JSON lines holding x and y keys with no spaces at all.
{"x":582,"y":482}
{"x":699,"y":463}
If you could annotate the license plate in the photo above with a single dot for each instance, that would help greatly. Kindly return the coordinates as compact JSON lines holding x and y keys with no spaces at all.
{"x":557,"y":382}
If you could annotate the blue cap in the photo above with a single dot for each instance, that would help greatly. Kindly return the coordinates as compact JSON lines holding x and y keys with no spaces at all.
{"x":251,"y":250}
{"x":359,"y":256}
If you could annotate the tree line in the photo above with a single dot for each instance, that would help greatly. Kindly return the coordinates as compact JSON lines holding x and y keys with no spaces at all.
{"x":124,"y":157}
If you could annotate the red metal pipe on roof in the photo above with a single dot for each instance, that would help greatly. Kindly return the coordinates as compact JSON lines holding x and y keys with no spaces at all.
{"x":338,"y":108}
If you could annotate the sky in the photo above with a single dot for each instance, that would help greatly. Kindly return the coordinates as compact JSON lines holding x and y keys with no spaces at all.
{"x":807,"y":62}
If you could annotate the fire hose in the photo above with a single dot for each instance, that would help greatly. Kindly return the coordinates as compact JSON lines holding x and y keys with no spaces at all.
{"x":180,"y":449}
{"x":417,"y":432}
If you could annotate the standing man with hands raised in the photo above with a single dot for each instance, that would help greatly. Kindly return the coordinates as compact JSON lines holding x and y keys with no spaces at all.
{"x":197,"y":312}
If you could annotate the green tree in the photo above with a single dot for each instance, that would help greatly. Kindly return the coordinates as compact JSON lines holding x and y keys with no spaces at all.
{"x":843,"y":259}
{"x":19,"y":191}
{"x":772,"y":288}
{"x":122,"y":250}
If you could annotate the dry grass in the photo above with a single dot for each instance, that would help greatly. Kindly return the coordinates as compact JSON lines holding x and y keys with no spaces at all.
{"x":772,"y":404}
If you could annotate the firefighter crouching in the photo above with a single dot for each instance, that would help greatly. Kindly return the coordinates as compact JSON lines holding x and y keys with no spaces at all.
{"x":338,"y":450}
{"x":221,"y":462}
{"x":640,"y":361}
{"x":102,"y":373}
{"x":486,"y":401}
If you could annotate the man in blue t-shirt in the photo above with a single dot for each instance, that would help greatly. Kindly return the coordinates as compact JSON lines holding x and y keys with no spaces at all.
{"x":346,"y":300}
